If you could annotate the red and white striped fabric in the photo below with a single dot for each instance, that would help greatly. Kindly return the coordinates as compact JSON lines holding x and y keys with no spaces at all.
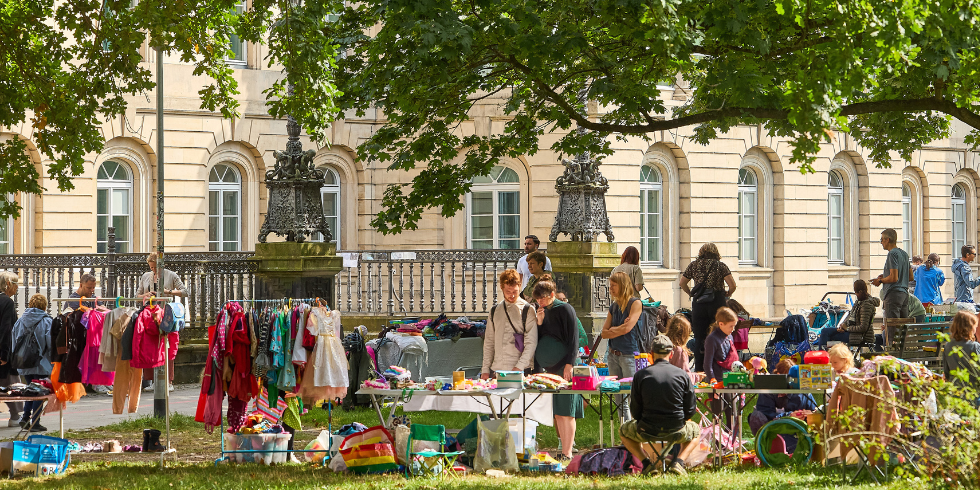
{"x":261,"y":405}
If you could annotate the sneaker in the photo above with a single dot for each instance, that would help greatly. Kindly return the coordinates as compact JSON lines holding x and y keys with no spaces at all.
{"x":678,"y":469}
{"x":39,"y":428}
{"x":23,"y":424}
{"x":15,"y":423}
{"x":294,"y":459}
{"x":650,"y":470}
{"x":100,"y":389}
{"x":171,"y":387}
{"x":149,"y":387}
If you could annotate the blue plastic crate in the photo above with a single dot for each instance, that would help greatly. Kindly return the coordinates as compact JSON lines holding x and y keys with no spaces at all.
{"x":602,"y":371}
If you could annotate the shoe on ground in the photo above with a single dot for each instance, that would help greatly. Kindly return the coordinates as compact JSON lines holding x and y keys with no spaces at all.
{"x":561,"y":458}
{"x":650,"y":470}
{"x":100,"y":389}
{"x":15,"y":423}
{"x":294,"y":459}
{"x":149,"y":388}
{"x":678,"y":469}
{"x":39,"y":428}
{"x":171,"y":387}
{"x":22,"y":424}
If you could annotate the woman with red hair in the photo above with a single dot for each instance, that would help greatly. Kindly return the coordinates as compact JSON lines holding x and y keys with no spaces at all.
{"x":629,"y":264}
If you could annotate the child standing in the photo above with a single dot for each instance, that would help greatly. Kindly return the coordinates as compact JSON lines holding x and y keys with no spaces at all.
{"x":679,"y":332}
{"x":719,"y":347}
{"x":719,"y":355}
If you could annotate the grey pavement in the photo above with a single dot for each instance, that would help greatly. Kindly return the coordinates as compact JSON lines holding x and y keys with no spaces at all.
{"x":94,"y":410}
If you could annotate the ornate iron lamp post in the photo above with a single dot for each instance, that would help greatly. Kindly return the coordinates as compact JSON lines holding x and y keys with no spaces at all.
{"x":295,"y":207}
{"x":582,"y":198}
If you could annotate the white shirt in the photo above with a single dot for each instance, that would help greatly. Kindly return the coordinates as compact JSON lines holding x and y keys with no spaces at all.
{"x":525,"y":271}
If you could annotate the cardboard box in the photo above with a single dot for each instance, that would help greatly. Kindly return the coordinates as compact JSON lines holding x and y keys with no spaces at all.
{"x":816,"y":376}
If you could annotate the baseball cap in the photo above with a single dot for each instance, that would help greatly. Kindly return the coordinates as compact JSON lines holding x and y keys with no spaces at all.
{"x":661,"y":345}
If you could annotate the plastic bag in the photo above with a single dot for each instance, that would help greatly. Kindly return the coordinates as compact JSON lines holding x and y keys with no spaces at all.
{"x":401,"y":442}
{"x":317,"y":449}
{"x":703,"y":449}
{"x":495,"y":447}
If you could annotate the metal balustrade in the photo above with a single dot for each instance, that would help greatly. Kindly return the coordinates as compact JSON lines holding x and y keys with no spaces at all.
{"x":383,"y":282}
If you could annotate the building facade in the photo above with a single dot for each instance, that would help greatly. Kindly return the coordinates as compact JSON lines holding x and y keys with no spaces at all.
{"x":787,"y":236}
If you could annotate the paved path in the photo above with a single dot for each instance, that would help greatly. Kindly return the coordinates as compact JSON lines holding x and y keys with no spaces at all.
{"x":96,"y":410}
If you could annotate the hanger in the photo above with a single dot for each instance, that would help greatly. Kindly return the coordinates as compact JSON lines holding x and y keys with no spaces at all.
{"x":118,"y":301}
{"x":82,"y":307}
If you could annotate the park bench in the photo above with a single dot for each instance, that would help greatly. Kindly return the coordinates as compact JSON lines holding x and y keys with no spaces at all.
{"x":916,"y":342}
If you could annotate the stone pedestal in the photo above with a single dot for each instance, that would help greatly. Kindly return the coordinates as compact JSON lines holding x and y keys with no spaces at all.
{"x":297,"y":270}
{"x":582,"y":270}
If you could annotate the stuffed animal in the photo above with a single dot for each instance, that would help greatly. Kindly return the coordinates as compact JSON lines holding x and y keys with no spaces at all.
{"x":757,"y":365}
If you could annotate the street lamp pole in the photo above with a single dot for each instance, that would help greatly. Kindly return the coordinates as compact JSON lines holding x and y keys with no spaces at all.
{"x":161,"y":381}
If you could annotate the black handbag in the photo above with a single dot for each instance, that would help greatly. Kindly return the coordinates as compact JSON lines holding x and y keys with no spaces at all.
{"x":701,"y":293}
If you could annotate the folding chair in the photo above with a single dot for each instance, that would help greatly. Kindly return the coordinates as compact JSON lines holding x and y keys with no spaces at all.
{"x":428,"y":461}
{"x":660,"y":455}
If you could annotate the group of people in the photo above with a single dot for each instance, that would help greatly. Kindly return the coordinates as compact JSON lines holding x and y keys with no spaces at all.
{"x":36,"y":322}
{"x":532,"y":331}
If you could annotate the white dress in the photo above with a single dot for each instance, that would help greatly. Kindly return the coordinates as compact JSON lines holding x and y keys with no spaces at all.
{"x":326,"y":371}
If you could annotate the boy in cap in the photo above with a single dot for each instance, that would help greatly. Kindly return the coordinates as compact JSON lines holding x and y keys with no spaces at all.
{"x":662,"y":402}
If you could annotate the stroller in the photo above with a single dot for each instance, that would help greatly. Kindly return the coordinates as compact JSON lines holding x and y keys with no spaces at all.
{"x":791,"y":339}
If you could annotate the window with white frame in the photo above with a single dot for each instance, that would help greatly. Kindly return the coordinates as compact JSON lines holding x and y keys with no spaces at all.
{"x":330,"y":196}
{"x":748,"y":216}
{"x":907,"y":232}
{"x":958,"y":200}
{"x":5,"y":234}
{"x":114,"y":206}
{"x":835,"y":217}
{"x":494,"y":210}
{"x":224,"y":209}
{"x":237,"y":44}
{"x":651,"y":215}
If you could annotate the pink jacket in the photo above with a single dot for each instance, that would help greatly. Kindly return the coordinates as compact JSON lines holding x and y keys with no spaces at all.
{"x":148,"y":350}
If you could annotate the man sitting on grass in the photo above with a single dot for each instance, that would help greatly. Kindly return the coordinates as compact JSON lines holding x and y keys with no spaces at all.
{"x":662,"y":400}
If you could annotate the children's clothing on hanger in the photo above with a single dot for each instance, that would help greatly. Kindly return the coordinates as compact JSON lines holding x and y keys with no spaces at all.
{"x":326,"y":375}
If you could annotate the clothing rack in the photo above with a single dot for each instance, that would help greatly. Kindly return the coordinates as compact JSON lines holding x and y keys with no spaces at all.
{"x":328,"y":404}
{"x":166,"y":357}
{"x":282,"y":300}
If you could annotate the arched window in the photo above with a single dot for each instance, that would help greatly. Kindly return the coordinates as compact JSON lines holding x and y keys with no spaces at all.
{"x":494,"y":210}
{"x":906,"y":242}
{"x":224,"y":209}
{"x":959,"y":218}
{"x":748,"y":216}
{"x":651,"y":215}
{"x":330,"y":195}
{"x":835,"y":218}
{"x":114,"y":206}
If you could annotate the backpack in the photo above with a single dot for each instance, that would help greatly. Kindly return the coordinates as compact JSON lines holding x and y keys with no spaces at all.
{"x":27,"y":351}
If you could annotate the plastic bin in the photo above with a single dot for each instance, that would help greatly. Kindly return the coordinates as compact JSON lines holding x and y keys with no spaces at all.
{"x":271,"y":448}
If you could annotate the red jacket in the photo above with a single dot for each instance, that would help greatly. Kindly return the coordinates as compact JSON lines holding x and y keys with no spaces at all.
{"x":148,"y":349}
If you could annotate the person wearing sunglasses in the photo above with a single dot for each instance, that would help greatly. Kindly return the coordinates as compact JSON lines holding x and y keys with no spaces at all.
{"x":963,"y":280}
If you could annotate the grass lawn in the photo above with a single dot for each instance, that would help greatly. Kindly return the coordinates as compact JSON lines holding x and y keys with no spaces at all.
{"x":197,"y":451}
{"x":118,"y":475}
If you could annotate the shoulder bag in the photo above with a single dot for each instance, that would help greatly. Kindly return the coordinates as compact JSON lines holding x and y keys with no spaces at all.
{"x":518,"y":337}
{"x":701,"y":292}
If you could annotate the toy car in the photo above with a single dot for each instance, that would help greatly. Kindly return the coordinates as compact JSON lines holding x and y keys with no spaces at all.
{"x":737,"y":380}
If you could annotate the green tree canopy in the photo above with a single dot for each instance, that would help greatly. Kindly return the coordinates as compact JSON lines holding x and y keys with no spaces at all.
{"x":892,"y":74}
{"x":67,"y":66}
